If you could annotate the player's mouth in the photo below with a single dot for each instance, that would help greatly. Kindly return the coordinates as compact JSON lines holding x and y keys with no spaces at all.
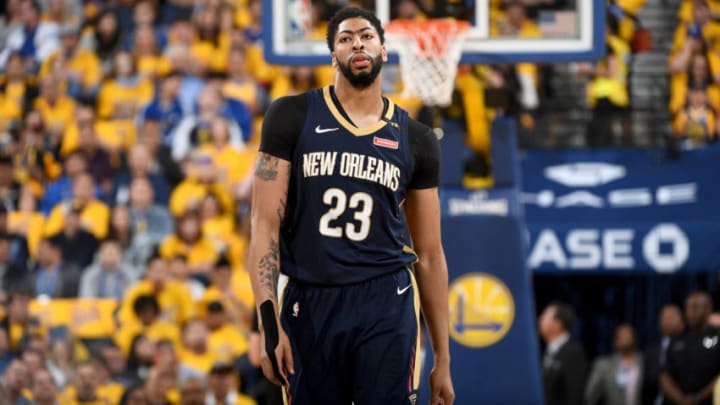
{"x":360,"y":60}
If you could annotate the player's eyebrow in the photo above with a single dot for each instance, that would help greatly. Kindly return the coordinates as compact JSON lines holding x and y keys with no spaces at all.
{"x":356,"y":31}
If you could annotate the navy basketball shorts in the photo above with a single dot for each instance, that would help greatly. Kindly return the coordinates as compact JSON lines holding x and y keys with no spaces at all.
{"x":354,"y":344}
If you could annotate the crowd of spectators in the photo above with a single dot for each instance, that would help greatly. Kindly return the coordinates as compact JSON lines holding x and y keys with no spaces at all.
{"x":682,"y":367}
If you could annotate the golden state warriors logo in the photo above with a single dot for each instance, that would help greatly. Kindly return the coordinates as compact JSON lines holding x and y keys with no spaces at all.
{"x":481,"y":310}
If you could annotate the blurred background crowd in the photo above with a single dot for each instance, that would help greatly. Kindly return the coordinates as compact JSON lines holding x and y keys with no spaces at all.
{"x":128,"y":132}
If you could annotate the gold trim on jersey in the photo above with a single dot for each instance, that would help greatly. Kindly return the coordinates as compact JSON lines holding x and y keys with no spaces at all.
{"x":348,"y":125}
{"x":418,"y":351}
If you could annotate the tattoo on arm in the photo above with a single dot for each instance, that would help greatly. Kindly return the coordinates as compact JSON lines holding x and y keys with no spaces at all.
{"x":269,"y":268}
{"x":267,"y":167}
{"x":282,"y":207}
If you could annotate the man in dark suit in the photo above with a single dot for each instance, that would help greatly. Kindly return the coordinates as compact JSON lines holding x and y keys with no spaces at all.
{"x":564,"y":362}
{"x":671,"y":325}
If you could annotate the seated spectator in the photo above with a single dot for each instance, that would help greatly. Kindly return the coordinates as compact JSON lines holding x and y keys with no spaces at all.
{"x":134,"y":395}
{"x":165,"y":109}
{"x":140,"y":360}
{"x":104,"y":39}
{"x":111,"y":391}
{"x":17,"y":89}
{"x":84,"y":387}
{"x":219,"y":227}
{"x":150,"y":64}
{"x":225,"y":339}
{"x":140,"y":165}
{"x":234,"y":164}
{"x":173,"y":297}
{"x":189,"y":241}
{"x":108,"y":277}
{"x":61,"y":190}
{"x":9,"y":187}
{"x":223,"y":387}
{"x":96,"y":146}
{"x":33,"y":155}
{"x":78,"y":244}
{"x":685,"y":11}
{"x":192,"y":69}
{"x":202,"y":179}
{"x":94,"y":214}
{"x":241,"y":85}
{"x":209,"y":44}
{"x":692,"y":36}
{"x":195,"y":355}
{"x":193,"y":391}
{"x":15,"y":381}
{"x":17,"y":322}
{"x":515,"y":22}
{"x":697,"y":75}
{"x":692,"y":364}
{"x":564,"y":363}
{"x":617,"y":378}
{"x":697,"y":122}
{"x":234,"y":293}
{"x":161,"y":386}
{"x":162,"y":160}
{"x":54,"y":278}
{"x":232,"y":109}
{"x":671,"y":326}
{"x":77,"y":68}
{"x":126,"y":92}
{"x":194,"y":130}
{"x":115,"y":362}
{"x":180,"y":272}
{"x":57,"y":109}
{"x":43,"y":388}
{"x":17,"y":245}
{"x":27,"y":221}
{"x":61,"y":361}
{"x":35,"y":40}
{"x":149,"y":218}
{"x":147,"y":310}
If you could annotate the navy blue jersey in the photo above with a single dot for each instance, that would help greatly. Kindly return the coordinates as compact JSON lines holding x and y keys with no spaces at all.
{"x":344,"y":222}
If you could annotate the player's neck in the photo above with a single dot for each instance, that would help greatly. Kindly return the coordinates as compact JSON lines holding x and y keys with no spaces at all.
{"x":362,"y":102}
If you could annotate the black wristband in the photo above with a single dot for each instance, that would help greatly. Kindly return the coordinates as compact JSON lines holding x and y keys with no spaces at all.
{"x":269,"y":322}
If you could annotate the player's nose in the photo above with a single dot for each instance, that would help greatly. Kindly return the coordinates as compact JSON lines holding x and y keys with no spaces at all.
{"x":357,"y":43}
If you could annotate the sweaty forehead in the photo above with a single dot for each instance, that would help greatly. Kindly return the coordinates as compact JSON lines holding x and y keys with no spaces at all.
{"x":354,"y":25}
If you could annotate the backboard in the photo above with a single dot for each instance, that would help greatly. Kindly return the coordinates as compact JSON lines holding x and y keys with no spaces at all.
{"x":559,"y":31}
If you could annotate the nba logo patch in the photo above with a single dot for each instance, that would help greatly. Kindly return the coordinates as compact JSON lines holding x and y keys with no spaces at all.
{"x":385,"y":143}
{"x":296,"y":309}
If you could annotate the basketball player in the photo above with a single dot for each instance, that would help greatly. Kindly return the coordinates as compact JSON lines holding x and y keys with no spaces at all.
{"x":337,"y":167}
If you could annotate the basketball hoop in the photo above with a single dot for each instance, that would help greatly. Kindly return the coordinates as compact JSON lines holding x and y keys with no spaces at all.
{"x":429,"y":53}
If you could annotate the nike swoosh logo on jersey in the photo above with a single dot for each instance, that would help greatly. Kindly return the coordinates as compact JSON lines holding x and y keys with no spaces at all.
{"x":319,"y":130}
{"x":401,"y":291}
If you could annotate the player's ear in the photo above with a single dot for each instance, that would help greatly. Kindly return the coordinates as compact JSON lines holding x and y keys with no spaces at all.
{"x":333,"y":59}
{"x":383,"y":53}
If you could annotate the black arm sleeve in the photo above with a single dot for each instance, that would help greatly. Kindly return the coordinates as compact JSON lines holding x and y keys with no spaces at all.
{"x":282,"y":124}
{"x":425,"y":156}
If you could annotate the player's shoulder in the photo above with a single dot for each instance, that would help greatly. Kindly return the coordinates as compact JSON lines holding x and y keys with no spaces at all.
{"x":419,"y":132}
{"x":295,"y":101}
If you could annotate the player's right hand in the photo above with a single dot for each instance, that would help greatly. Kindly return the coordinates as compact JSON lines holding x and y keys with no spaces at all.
{"x":277,"y":362}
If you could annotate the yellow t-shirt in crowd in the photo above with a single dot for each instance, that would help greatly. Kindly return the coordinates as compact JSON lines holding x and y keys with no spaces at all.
{"x":202,"y":252}
{"x":33,"y":222}
{"x":176,"y":305}
{"x":84,"y":63}
{"x":113,"y":94}
{"x":189,"y":194}
{"x":157,"y":331}
{"x":96,"y":215}
{"x":61,"y":113}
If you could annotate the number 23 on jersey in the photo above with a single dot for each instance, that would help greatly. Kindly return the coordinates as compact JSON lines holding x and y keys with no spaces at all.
{"x":362,"y":206}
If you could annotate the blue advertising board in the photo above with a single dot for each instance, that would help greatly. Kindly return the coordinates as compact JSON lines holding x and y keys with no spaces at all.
{"x":622,"y":210}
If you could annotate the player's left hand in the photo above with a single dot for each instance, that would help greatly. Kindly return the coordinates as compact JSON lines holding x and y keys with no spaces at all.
{"x":441,"y":388}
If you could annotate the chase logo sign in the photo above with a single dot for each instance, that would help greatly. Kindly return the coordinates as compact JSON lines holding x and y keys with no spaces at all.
{"x":482,"y":310}
{"x":585,"y":174}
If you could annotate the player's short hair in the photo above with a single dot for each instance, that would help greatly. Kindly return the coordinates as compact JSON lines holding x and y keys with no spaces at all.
{"x":352,"y":12}
{"x":565,"y":314}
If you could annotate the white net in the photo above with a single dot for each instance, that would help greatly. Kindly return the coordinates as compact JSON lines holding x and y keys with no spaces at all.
{"x":429,"y":53}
